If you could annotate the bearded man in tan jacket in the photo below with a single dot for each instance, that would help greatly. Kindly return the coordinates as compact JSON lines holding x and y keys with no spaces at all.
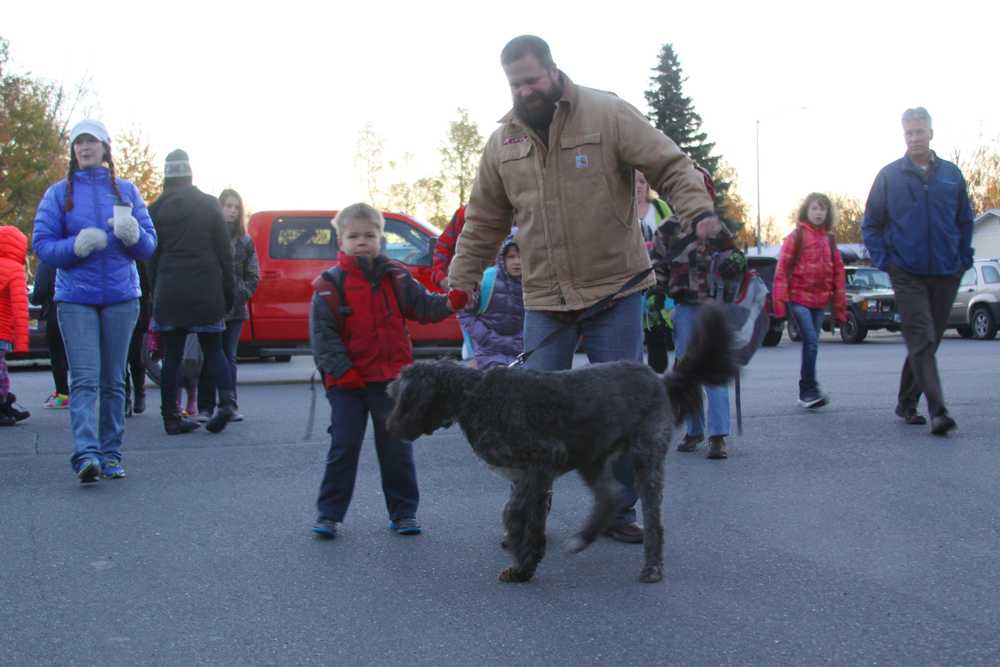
{"x":561,"y":168}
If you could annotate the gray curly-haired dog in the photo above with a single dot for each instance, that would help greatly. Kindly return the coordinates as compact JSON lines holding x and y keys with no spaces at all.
{"x":532,"y":426}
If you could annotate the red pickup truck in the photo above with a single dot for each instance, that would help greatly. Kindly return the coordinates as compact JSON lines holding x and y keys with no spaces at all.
{"x":294,"y":247}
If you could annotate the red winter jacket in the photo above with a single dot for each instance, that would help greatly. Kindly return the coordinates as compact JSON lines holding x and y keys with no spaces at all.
{"x":372,"y":338}
{"x":815,"y":276}
{"x":444,"y":249}
{"x":13,"y":290}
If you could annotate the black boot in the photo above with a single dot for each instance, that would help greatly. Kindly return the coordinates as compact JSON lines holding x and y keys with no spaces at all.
{"x":175,"y":424}
{"x":9,"y":408}
{"x":139,"y":405}
{"x":224,"y":413}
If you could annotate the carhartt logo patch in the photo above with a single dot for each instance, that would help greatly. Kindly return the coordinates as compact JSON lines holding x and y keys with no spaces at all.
{"x":515,"y":140}
{"x":582,"y":162}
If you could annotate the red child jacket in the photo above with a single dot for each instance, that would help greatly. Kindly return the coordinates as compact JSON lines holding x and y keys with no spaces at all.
{"x":13,"y":290}
{"x":816,"y":277}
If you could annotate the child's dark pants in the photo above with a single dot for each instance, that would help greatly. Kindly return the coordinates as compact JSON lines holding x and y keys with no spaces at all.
{"x":349,"y":410}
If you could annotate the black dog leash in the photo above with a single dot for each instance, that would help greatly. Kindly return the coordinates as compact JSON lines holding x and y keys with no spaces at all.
{"x":589,"y":312}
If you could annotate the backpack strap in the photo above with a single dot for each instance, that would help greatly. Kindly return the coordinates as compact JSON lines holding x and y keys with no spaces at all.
{"x":329,"y":285}
{"x":486,"y":289}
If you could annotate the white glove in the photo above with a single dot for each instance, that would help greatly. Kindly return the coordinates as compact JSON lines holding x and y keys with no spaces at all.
{"x":126,"y":229}
{"x":89,"y":240}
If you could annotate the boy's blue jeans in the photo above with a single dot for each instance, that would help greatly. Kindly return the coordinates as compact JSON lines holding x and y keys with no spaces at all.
{"x":349,"y":410}
{"x":613,"y":335}
{"x":97,"y":340}
{"x":685,"y":316}
{"x":810,"y":321}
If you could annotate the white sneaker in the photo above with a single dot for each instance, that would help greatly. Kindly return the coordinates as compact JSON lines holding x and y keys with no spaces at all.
{"x":237,"y":417}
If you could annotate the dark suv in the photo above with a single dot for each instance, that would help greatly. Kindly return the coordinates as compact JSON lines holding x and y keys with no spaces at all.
{"x":871,"y":304}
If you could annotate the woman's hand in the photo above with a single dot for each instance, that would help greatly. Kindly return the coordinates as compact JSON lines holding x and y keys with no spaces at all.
{"x":89,"y":240}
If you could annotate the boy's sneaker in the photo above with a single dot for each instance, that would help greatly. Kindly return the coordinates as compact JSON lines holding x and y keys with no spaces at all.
{"x":112,"y":469}
{"x":326,"y":529}
{"x":811,"y":400}
{"x":89,"y":471}
{"x":56,"y":402}
{"x":405,"y":526}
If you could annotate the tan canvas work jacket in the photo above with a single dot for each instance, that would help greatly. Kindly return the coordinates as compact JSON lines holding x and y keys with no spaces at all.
{"x":573,"y":201}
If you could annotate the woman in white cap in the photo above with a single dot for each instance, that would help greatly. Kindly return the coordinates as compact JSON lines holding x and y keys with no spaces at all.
{"x":93,"y":227}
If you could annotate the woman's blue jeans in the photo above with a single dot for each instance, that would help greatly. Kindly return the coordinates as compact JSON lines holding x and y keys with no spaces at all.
{"x":810,"y":322}
{"x":97,"y":340}
{"x":685,"y":316}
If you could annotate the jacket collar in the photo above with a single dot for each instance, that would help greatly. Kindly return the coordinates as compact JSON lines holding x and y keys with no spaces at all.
{"x":369,"y":269}
{"x":92,"y":174}
{"x":910,"y":165}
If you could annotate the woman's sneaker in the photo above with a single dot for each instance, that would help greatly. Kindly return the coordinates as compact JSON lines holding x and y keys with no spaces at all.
{"x":112,"y":469}
{"x":56,"y":402}
{"x":89,"y":471}
{"x":405,"y":526}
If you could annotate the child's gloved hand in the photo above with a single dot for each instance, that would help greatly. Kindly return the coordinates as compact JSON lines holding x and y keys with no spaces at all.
{"x":350,"y":380}
{"x":89,"y":240}
{"x":457,"y":299}
{"x":126,"y":229}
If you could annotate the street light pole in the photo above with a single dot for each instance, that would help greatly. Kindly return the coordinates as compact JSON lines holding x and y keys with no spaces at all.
{"x":757,"y":149}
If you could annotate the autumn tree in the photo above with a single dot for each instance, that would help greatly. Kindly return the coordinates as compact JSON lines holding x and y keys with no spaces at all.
{"x":33,"y":149}
{"x":673,"y":114}
{"x":849,"y":213}
{"x":430,"y":196}
{"x":982,"y":176}
{"x":136,"y":162}
{"x":369,"y":159}
{"x":460,"y":155}
{"x":734,"y":209}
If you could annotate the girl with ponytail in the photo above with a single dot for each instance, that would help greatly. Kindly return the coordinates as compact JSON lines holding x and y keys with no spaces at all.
{"x":92,"y":227}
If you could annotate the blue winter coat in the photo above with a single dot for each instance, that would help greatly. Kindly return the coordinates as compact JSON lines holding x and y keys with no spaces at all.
{"x":498,"y":332}
{"x":105,"y":276}
{"x":920,"y":223}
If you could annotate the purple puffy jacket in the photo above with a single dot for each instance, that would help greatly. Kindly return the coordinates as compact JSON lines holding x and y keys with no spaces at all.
{"x":498,"y":333}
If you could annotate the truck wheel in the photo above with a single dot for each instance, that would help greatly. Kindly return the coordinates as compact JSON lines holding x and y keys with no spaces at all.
{"x":964,"y":330}
{"x":853,"y":331}
{"x":793,"y":329}
{"x":983,"y":326}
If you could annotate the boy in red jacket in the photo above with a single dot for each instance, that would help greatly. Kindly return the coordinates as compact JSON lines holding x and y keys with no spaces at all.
{"x":809,"y":277}
{"x":359,"y":341}
{"x":13,"y":315}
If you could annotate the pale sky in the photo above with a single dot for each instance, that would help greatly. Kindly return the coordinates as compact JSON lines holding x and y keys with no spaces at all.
{"x":271,"y":101}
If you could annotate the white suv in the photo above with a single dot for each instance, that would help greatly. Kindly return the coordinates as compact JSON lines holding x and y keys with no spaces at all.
{"x":976,"y":311}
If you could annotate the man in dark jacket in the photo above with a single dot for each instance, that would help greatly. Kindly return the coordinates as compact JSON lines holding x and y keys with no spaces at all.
{"x":192,"y":280}
{"x":918,"y":227}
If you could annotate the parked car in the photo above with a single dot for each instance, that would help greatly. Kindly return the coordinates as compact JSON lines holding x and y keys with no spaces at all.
{"x":871,"y":304}
{"x":38,"y":346}
{"x":976,"y":310}
{"x":765,"y":267}
{"x":293,"y":247}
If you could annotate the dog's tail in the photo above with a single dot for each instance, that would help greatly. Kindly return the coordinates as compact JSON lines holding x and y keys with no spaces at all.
{"x":708,"y":360}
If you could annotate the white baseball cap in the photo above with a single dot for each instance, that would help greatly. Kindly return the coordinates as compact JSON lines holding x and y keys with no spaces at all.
{"x":94,"y":128}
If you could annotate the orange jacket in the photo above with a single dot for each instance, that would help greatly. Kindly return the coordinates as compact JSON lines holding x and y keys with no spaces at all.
{"x":13,"y":290}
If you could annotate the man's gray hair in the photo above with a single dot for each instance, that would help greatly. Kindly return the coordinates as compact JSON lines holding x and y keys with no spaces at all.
{"x":917,"y":113}
{"x":359,"y":211}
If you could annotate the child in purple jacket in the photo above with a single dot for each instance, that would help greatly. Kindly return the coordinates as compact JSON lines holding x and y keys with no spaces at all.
{"x":496,"y":323}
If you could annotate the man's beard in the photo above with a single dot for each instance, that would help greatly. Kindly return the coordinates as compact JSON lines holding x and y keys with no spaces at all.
{"x":538,"y":109}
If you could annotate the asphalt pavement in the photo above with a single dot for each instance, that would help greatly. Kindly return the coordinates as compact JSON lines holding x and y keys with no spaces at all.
{"x":837,"y":537}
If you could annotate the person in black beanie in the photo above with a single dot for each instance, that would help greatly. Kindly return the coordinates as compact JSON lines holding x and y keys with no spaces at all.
{"x":192,"y":281}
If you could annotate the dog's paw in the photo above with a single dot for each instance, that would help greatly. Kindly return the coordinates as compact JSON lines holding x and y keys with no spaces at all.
{"x":651,"y":574}
{"x":512,"y":575}
{"x":576,"y":544}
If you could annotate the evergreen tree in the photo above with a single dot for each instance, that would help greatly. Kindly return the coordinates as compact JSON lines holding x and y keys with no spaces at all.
{"x":673,"y":114}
